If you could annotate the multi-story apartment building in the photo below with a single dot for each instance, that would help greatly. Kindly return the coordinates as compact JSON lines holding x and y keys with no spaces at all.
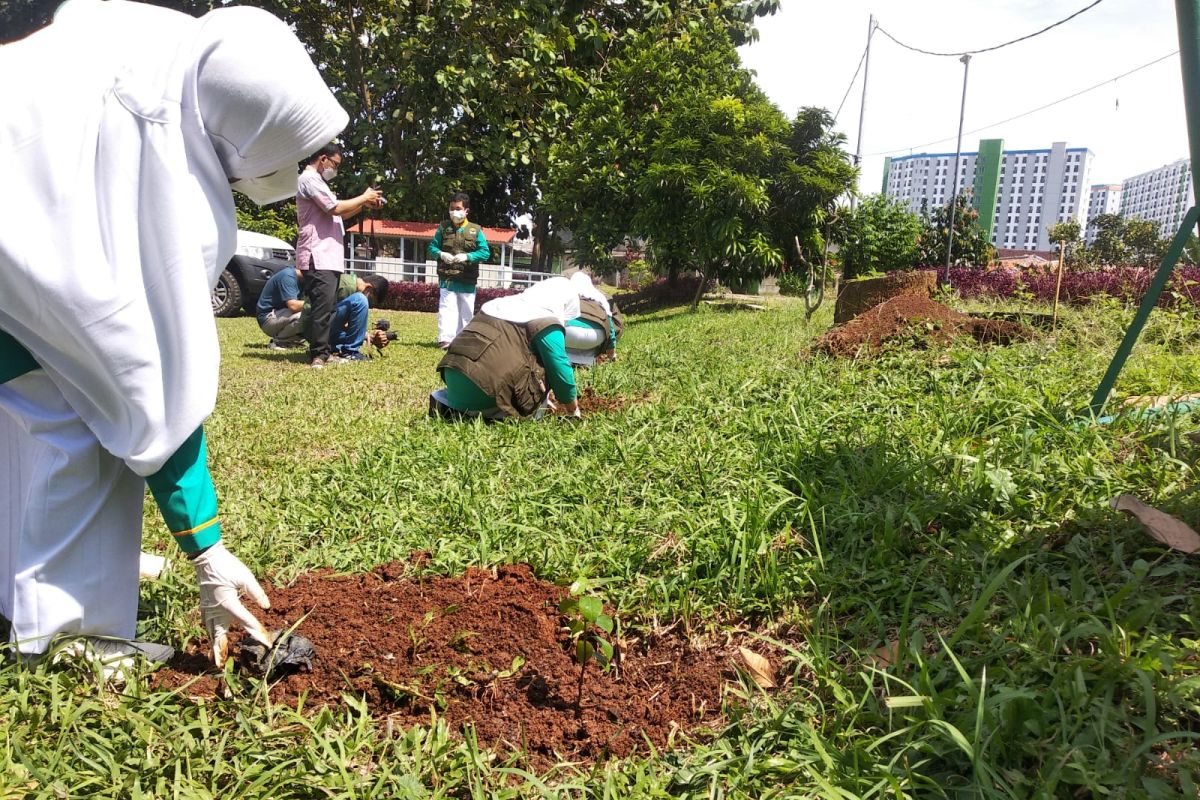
{"x":1103,"y":198}
{"x":1161,"y":196}
{"x":1019,"y":194}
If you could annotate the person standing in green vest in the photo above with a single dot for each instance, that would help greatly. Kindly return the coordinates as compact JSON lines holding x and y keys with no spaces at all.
{"x":459,"y":248}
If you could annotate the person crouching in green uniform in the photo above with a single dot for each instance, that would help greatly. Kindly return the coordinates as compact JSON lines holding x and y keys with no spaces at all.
{"x":459,"y":247}
{"x":505,"y":362}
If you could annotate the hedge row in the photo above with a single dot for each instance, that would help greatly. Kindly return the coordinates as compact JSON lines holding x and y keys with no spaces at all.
{"x":409,"y":296}
{"x":658,"y":294}
{"x":1078,"y":287}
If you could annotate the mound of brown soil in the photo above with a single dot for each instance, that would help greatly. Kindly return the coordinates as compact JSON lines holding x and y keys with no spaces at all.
{"x":913,"y":316}
{"x":487,"y":649}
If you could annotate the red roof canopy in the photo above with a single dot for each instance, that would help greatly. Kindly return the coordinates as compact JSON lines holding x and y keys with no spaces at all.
{"x":421,"y":230}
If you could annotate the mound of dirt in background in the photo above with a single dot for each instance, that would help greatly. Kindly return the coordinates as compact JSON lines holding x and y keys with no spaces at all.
{"x":918,"y":319}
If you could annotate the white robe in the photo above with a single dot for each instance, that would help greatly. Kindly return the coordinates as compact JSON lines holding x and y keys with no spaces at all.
{"x":122,"y":125}
{"x":117,"y":218}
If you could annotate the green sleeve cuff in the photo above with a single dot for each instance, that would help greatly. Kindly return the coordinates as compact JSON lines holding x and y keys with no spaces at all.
{"x":551,"y":346}
{"x":184,"y":492}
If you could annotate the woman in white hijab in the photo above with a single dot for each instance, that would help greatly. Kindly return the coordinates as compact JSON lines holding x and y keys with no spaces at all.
{"x":117,"y":220}
{"x":510,"y":355}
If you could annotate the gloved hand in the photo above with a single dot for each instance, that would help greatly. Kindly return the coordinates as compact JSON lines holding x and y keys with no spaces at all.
{"x":461,"y":258}
{"x":447,"y":258}
{"x":221,"y":577}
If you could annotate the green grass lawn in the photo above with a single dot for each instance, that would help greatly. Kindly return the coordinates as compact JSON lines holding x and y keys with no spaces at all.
{"x":940,"y":506}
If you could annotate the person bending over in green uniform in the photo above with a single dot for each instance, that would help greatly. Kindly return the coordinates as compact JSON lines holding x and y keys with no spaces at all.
{"x":514,"y":352}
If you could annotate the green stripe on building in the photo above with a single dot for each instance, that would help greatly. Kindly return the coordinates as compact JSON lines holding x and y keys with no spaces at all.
{"x":887,"y":170}
{"x":987,"y":182}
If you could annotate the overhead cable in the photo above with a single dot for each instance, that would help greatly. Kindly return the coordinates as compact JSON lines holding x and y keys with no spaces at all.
{"x":993,"y":47}
{"x":1031,"y":111}
{"x":857,"y":70}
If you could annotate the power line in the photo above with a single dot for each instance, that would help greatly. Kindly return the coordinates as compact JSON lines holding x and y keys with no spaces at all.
{"x":993,"y":47}
{"x":1031,"y":111}
{"x":851,"y":86}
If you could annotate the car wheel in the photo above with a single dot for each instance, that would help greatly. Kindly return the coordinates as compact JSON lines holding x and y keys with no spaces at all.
{"x":226,"y":295}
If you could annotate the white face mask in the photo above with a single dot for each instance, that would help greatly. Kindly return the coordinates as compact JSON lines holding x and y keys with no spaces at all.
{"x":458,"y":216}
{"x":279,"y":185}
{"x":329,"y":173}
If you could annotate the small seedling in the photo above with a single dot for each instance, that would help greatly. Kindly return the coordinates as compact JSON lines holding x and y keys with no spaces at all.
{"x":586,"y":621}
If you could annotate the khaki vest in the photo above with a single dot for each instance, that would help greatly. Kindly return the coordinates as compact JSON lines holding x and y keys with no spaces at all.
{"x":498,"y":357}
{"x":455,"y":241}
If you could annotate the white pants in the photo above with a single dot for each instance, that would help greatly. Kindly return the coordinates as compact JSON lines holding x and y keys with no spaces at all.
{"x":455,"y":310}
{"x":70,"y":521}
{"x":583,"y":344}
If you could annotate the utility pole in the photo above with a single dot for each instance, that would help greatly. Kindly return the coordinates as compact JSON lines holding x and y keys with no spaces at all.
{"x":962,"y":113}
{"x":862,"y":109}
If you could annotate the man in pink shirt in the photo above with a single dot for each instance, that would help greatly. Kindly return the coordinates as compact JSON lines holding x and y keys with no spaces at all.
{"x":319,"y":248}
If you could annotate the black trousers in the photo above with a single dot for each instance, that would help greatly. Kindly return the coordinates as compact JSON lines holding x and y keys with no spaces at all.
{"x":320,"y":286}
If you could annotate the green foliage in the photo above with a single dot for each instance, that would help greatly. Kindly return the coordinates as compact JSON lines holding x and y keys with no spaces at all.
{"x":1125,"y":241}
{"x":586,"y":622}
{"x":468,"y":96}
{"x":1146,"y":247}
{"x":971,"y":247}
{"x":678,"y":147}
{"x":880,"y":235}
{"x":1109,"y":247}
{"x":278,"y":219}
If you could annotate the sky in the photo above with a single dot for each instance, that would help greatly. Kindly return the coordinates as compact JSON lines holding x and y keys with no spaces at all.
{"x":807,"y":53}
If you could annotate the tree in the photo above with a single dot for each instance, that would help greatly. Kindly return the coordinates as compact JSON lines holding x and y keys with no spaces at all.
{"x":1066,"y":234}
{"x":971,"y":247}
{"x":880,"y":235}
{"x":1109,"y":245}
{"x":1142,"y":242}
{"x":678,"y":147}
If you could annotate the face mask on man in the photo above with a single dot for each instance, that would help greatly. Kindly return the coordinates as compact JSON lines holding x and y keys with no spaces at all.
{"x":329,"y":173}
{"x":458,"y":216}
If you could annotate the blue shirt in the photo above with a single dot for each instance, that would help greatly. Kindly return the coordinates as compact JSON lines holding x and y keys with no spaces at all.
{"x":283,"y":286}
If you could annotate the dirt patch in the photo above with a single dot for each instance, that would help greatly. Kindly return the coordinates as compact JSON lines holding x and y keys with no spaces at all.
{"x":484,"y":648}
{"x":592,"y":403}
{"x":858,"y":296}
{"x":916,"y":318}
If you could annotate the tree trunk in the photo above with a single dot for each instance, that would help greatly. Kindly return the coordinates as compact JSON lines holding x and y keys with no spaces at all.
{"x":673,"y":275}
{"x":700,"y":288}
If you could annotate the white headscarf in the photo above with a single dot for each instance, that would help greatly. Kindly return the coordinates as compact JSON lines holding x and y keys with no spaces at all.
{"x":584,"y":286}
{"x":553,"y":297}
{"x":117,"y":218}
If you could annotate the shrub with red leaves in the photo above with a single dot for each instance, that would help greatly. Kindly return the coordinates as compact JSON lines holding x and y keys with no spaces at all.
{"x":409,"y":296}
{"x":1078,"y":286}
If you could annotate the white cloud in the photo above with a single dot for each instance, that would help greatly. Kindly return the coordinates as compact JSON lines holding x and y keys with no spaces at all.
{"x":808,"y":52}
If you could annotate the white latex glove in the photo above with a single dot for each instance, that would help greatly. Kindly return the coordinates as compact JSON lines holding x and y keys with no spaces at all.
{"x":461,"y":258}
{"x":447,"y":258}
{"x":221,"y":577}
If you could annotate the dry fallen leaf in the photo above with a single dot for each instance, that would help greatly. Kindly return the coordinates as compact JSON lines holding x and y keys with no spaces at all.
{"x":760,"y":668}
{"x":1162,"y":526}
{"x":886,"y":655}
{"x":1155,"y":401}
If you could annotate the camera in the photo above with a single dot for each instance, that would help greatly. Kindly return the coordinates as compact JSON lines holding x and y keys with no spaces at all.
{"x":384,"y":325}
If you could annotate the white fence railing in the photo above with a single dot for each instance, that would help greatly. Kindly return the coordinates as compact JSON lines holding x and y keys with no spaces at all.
{"x":491,"y":276}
